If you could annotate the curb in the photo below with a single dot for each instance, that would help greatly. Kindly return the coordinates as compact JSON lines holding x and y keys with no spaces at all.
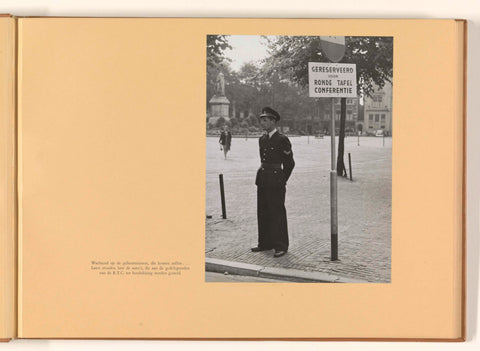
{"x":287,"y":274}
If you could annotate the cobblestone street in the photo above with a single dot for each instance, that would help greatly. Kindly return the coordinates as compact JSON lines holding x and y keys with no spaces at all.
{"x":364,"y":207}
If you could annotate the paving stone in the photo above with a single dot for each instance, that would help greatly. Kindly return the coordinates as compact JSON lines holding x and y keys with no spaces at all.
{"x":364,"y":209}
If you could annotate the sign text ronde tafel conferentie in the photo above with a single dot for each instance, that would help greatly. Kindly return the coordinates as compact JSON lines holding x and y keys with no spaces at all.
{"x":332,"y":80}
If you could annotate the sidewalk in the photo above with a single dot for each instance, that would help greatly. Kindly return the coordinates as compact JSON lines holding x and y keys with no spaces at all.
{"x":278,"y":274}
{"x":364,"y":213}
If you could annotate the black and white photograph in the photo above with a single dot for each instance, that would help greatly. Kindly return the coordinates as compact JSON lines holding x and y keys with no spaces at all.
{"x":293,"y":195}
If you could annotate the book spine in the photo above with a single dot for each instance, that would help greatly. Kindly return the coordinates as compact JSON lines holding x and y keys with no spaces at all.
{"x":8,"y":212}
{"x":461,"y":153}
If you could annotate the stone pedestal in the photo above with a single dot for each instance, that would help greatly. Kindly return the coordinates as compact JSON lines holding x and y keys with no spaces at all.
{"x":219,"y":106}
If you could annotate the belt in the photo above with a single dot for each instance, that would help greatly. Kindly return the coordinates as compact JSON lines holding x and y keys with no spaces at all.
{"x":271,"y":165}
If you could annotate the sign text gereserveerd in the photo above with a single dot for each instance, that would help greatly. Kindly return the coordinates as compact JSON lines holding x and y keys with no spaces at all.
{"x":332,"y":79}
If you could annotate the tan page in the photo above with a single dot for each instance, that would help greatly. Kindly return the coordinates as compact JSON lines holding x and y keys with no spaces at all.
{"x":7,"y":179}
{"x":112,"y":171}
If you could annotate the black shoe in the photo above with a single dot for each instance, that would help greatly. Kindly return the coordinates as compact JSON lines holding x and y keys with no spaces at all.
{"x":279,"y":253}
{"x":258,"y":249}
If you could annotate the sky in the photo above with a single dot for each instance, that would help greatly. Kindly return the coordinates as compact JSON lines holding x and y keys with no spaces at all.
{"x":245,"y":48}
{"x":248,"y":48}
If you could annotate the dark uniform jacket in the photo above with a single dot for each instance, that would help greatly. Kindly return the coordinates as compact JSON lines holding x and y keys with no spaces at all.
{"x":277,"y":161}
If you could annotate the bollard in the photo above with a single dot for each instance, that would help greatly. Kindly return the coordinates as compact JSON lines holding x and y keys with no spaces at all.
{"x":350,"y":166}
{"x":222,"y":195}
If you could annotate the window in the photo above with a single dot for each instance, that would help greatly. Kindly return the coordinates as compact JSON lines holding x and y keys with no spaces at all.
{"x":377,"y":100}
{"x":382,"y":116}
{"x":377,"y":118}
{"x":370,"y":117}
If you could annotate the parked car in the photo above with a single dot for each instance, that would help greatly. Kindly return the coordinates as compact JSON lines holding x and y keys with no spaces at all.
{"x":379,"y":133}
{"x":370,"y":132}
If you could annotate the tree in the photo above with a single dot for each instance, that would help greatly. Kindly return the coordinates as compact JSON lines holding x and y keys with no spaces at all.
{"x":216,"y":45}
{"x":212,"y":73}
{"x":275,"y":88}
{"x":372,"y":55}
{"x":234,"y":122}
{"x":341,"y":170}
{"x":244,"y":88}
{"x":220,"y":122}
{"x":216,"y":61}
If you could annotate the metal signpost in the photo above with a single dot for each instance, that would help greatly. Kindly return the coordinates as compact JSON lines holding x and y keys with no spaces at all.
{"x":332,"y":80}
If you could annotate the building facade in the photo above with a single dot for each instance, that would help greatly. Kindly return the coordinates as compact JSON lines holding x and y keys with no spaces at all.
{"x":378,"y":110}
{"x":351,"y":118}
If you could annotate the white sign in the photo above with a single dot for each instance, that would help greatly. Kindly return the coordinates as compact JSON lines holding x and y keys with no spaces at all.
{"x":332,"y":79}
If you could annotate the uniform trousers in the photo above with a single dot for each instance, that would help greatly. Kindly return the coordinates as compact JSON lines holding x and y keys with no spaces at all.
{"x":272,"y":218}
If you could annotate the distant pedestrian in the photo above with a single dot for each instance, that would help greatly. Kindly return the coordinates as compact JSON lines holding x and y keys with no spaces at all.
{"x":276,"y":167}
{"x":225,"y":140}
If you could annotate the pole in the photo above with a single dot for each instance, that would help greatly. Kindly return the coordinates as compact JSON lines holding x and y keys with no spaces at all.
{"x":350,"y":165}
{"x":308,"y":138}
{"x":222,"y":195}
{"x":383,"y":138}
{"x":332,"y":135}
{"x":333,"y":192}
{"x":358,"y":138}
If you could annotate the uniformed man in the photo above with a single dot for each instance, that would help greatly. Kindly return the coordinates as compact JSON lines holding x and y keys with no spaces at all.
{"x":276,"y":166}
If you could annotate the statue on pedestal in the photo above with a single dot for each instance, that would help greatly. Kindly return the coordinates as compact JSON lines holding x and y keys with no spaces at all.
{"x":219,"y":104}
{"x":220,"y":85}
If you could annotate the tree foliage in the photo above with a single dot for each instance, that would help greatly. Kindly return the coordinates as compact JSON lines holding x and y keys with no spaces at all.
{"x":216,"y":45}
{"x":372,"y":55}
{"x":281,"y":79}
{"x":374,"y":59}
